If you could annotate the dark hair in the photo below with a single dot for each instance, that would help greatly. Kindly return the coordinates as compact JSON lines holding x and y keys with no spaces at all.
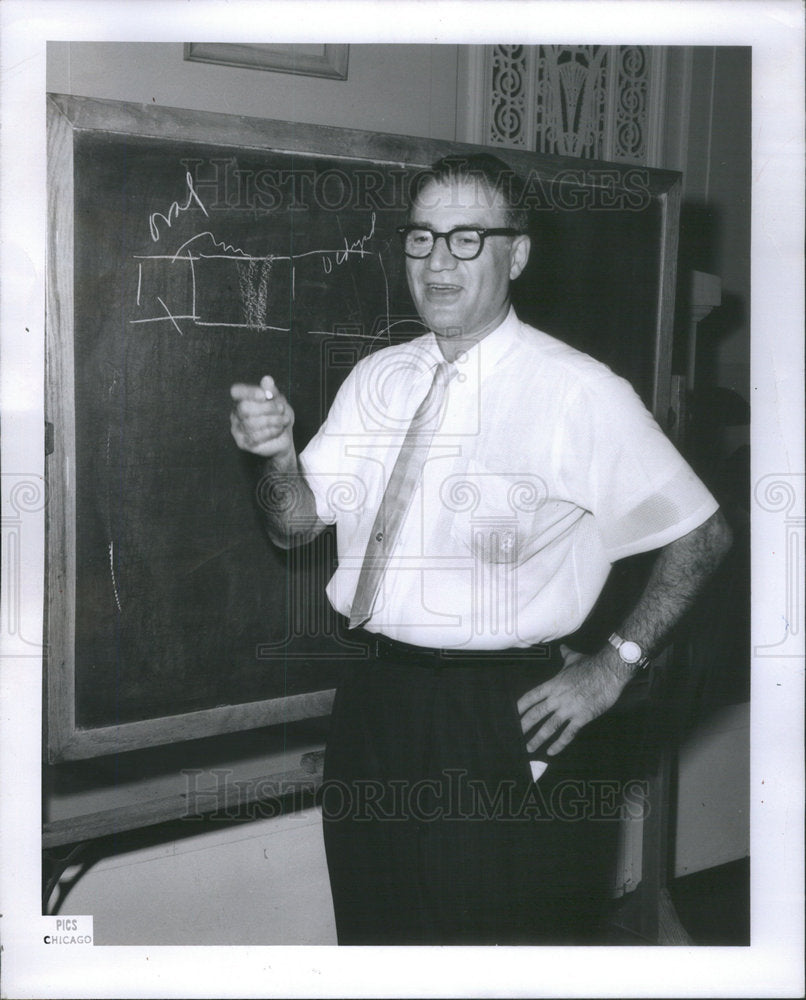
{"x":488,"y":173}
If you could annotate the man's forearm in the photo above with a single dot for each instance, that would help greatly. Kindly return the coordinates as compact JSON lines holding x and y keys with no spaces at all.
{"x":287,"y":503}
{"x":680,"y":572}
{"x":588,"y":686}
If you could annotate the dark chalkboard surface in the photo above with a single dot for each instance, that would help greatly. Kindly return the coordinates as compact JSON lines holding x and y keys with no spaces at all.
{"x":188,"y":251}
{"x":185,"y":287}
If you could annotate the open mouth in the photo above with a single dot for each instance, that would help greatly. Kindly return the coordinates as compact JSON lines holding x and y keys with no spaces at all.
{"x":439,"y":291}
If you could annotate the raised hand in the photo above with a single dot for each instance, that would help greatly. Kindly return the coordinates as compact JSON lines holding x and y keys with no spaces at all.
{"x":262,"y":421}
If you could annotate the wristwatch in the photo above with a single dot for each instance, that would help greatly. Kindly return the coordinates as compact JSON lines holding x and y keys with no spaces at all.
{"x":630,"y":652}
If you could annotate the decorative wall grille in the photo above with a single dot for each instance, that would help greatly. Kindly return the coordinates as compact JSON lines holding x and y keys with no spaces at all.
{"x":591,"y":101}
{"x":571,"y":99}
{"x":629,"y":124}
{"x":510,"y":90}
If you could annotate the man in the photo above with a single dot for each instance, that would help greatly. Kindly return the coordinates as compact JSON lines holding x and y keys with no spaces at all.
{"x":498,"y":475}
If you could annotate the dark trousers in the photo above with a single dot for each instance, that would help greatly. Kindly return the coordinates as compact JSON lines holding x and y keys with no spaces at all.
{"x":436,"y":832}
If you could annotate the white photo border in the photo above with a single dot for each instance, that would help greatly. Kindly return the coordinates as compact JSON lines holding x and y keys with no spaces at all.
{"x":773,"y":964}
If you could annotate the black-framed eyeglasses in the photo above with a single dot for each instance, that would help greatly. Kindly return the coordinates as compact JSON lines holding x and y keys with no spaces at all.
{"x":464,"y":242}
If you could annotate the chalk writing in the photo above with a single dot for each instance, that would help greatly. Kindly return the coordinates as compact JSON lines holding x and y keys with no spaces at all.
{"x":358,"y":246}
{"x":386,"y":294}
{"x":253,"y":278}
{"x":168,"y":298}
{"x":170,"y":317}
{"x":112,"y":572}
{"x":175,"y":210}
{"x":220,"y":244}
{"x":108,"y":506}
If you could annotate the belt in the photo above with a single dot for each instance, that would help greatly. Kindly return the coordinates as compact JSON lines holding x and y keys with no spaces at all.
{"x":384,"y":648}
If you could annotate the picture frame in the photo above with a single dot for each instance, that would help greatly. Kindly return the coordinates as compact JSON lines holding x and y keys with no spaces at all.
{"x":309,"y":59}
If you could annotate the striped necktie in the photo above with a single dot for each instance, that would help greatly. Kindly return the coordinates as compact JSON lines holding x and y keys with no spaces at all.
{"x":398,"y":495}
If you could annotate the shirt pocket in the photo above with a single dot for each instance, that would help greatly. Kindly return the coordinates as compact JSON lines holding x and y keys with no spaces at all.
{"x":493,"y":515}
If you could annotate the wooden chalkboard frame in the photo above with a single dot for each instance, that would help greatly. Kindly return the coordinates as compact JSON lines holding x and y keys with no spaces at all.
{"x":68,"y":116}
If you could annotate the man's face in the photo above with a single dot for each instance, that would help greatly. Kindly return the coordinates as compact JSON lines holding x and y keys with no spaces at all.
{"x":463,"y":300}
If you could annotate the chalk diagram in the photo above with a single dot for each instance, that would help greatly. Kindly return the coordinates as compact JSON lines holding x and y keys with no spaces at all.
{"x":259,"y":291}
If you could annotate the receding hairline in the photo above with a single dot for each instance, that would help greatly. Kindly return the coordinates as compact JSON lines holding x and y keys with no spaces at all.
{"x":496,"y":198}
{"x":502,"y":186}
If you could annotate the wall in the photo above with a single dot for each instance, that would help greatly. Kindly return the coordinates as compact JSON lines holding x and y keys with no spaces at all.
{"x":402,"y":89}
{"x":710,"y":141}
{"x":713,"y":803}
{"x":716,"y":214}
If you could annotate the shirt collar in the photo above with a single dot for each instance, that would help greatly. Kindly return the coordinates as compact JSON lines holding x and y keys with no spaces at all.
{"x":486,"y":353}
{"x":492,"y":348}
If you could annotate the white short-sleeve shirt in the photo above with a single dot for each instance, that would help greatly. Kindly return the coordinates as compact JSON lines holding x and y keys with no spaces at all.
{"x":546,"y":468}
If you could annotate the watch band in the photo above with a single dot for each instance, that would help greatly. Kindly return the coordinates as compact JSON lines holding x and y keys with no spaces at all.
{"x":629,"y":651}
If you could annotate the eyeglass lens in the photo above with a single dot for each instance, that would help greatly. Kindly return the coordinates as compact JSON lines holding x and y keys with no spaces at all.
{"x":462,"y":243}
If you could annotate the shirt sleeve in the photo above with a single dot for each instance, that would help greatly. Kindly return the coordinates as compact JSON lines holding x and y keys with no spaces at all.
{"x":620,"y":465}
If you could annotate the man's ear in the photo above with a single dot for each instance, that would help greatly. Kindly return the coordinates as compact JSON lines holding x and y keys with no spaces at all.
{"x":519,"y":255}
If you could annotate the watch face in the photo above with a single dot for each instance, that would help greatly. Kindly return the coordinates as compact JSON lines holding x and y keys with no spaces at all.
{"x":630,"y":652}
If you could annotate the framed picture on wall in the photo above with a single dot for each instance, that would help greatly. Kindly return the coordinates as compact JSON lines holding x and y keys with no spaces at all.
{"x":307,"y":59}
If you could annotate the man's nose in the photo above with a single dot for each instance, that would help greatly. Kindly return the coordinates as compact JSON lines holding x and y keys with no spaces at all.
{"x":441,"y":258}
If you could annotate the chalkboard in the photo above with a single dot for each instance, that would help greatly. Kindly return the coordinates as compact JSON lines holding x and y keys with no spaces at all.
{"x":191,"y":250}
